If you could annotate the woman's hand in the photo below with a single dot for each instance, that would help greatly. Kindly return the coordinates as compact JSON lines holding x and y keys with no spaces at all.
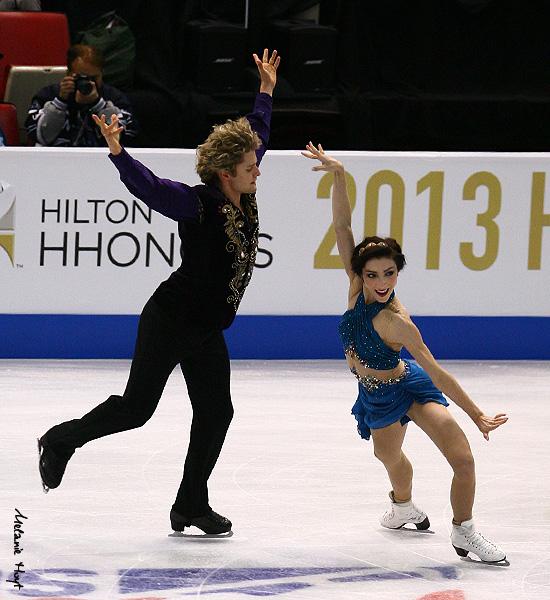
{"x":267,"y":67}
{"x":486,"y":424}
{"x":111,"y":132}
{"x":327,"y":163}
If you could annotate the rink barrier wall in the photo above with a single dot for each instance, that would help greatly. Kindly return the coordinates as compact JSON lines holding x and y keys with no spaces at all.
{"x":475,"y":228}
{"x":80,"y":256}
{"x":40,"y":336}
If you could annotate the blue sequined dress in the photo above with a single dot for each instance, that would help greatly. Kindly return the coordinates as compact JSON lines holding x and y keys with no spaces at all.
{"x":381,"y":403}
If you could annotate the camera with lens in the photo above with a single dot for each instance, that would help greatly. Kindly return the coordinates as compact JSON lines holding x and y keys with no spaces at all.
{"x":84,"y":83}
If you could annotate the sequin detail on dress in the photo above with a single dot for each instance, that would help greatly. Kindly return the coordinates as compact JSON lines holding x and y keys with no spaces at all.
{"x":372,"y":383}
{"x":361,"y":341}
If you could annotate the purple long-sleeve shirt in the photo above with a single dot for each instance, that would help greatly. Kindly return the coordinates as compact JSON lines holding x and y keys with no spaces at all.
{"x":219,"y":242}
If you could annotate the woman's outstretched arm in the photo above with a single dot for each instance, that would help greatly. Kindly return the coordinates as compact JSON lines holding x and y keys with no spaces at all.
{"x":341,"y":209}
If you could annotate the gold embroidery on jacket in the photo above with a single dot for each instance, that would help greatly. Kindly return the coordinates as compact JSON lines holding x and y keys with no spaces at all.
{"x":244,"y":251}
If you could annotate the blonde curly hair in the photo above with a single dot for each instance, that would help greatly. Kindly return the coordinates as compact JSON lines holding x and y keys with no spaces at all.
{"x":224,"y":149}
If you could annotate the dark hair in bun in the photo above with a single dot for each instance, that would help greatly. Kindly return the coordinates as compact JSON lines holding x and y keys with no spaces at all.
{"x":376,"y":247}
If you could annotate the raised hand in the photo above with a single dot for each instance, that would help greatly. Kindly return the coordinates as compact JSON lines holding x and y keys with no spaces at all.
{"x":327,"y":162}
{"x":111,"y":132}
{"x":267,"y":67}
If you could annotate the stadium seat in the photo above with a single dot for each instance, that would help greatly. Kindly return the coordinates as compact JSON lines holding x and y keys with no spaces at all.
{"x":31,"y":38}
{"x":8,"y":123}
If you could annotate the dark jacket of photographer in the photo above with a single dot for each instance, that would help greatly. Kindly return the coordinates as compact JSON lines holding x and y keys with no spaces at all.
{"x":54,"y":122}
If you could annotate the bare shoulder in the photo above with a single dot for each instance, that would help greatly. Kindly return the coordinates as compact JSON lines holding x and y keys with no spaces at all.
{"x":397,"y":323}
{"x":394,"y":312}
{"x":395,"y":307}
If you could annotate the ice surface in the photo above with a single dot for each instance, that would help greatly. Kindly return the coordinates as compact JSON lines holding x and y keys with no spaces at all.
{"x":304,"y":492}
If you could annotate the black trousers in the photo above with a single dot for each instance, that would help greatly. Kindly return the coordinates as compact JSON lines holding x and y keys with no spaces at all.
{"x":162,"y":342}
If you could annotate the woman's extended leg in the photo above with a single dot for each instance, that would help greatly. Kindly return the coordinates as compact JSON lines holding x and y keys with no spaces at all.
{"x":438,"y":423}
{"x":387,"y":448}
{"x":447,"y":435}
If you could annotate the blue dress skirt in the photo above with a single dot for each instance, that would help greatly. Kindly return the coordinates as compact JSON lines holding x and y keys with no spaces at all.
{"x":390,"y":402}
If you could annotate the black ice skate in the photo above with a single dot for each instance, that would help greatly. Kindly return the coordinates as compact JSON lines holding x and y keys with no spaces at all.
{"x":51,"y":465}
{"x":211,"y":523}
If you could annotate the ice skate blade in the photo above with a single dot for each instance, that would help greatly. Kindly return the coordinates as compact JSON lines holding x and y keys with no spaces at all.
{"x":465,"y":555}
{"x":423,"y":526}
{"x":415,"y":531}
{"x":201,"y":536}
{"x":407,"y":529}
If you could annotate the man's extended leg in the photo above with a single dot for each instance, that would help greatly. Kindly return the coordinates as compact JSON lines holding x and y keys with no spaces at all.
{"x":155,"y":357}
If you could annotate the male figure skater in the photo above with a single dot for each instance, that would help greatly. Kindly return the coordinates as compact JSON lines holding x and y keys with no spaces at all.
{"x":183,"y":322}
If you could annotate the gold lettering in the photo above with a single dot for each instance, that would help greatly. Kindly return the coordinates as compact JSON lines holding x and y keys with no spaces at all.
{"x":397,"y":185}
{"x":485,"y":220}
{"x":538,"y":220}
{"x":324,"y":259}
{"x":434,"y":181}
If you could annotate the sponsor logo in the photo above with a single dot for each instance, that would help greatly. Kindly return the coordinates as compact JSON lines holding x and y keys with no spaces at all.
{"x":167,"y":584}
{"x":86,"y":232}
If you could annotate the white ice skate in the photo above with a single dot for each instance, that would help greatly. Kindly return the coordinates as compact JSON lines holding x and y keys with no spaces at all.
{"x":465,"y":538}
{"x":402,"y":513}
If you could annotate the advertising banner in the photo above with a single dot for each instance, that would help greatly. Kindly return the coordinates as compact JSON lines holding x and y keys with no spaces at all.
{"x":475,"y":229}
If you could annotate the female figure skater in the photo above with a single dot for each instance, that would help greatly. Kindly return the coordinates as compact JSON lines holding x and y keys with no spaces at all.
{"x":393,"y":391}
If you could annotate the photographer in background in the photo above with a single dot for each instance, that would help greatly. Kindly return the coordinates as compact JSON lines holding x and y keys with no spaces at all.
{"x":61,"y":114}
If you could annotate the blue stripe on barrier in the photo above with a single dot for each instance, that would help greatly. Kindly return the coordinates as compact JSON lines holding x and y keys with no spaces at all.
{"x":273,"y":337}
